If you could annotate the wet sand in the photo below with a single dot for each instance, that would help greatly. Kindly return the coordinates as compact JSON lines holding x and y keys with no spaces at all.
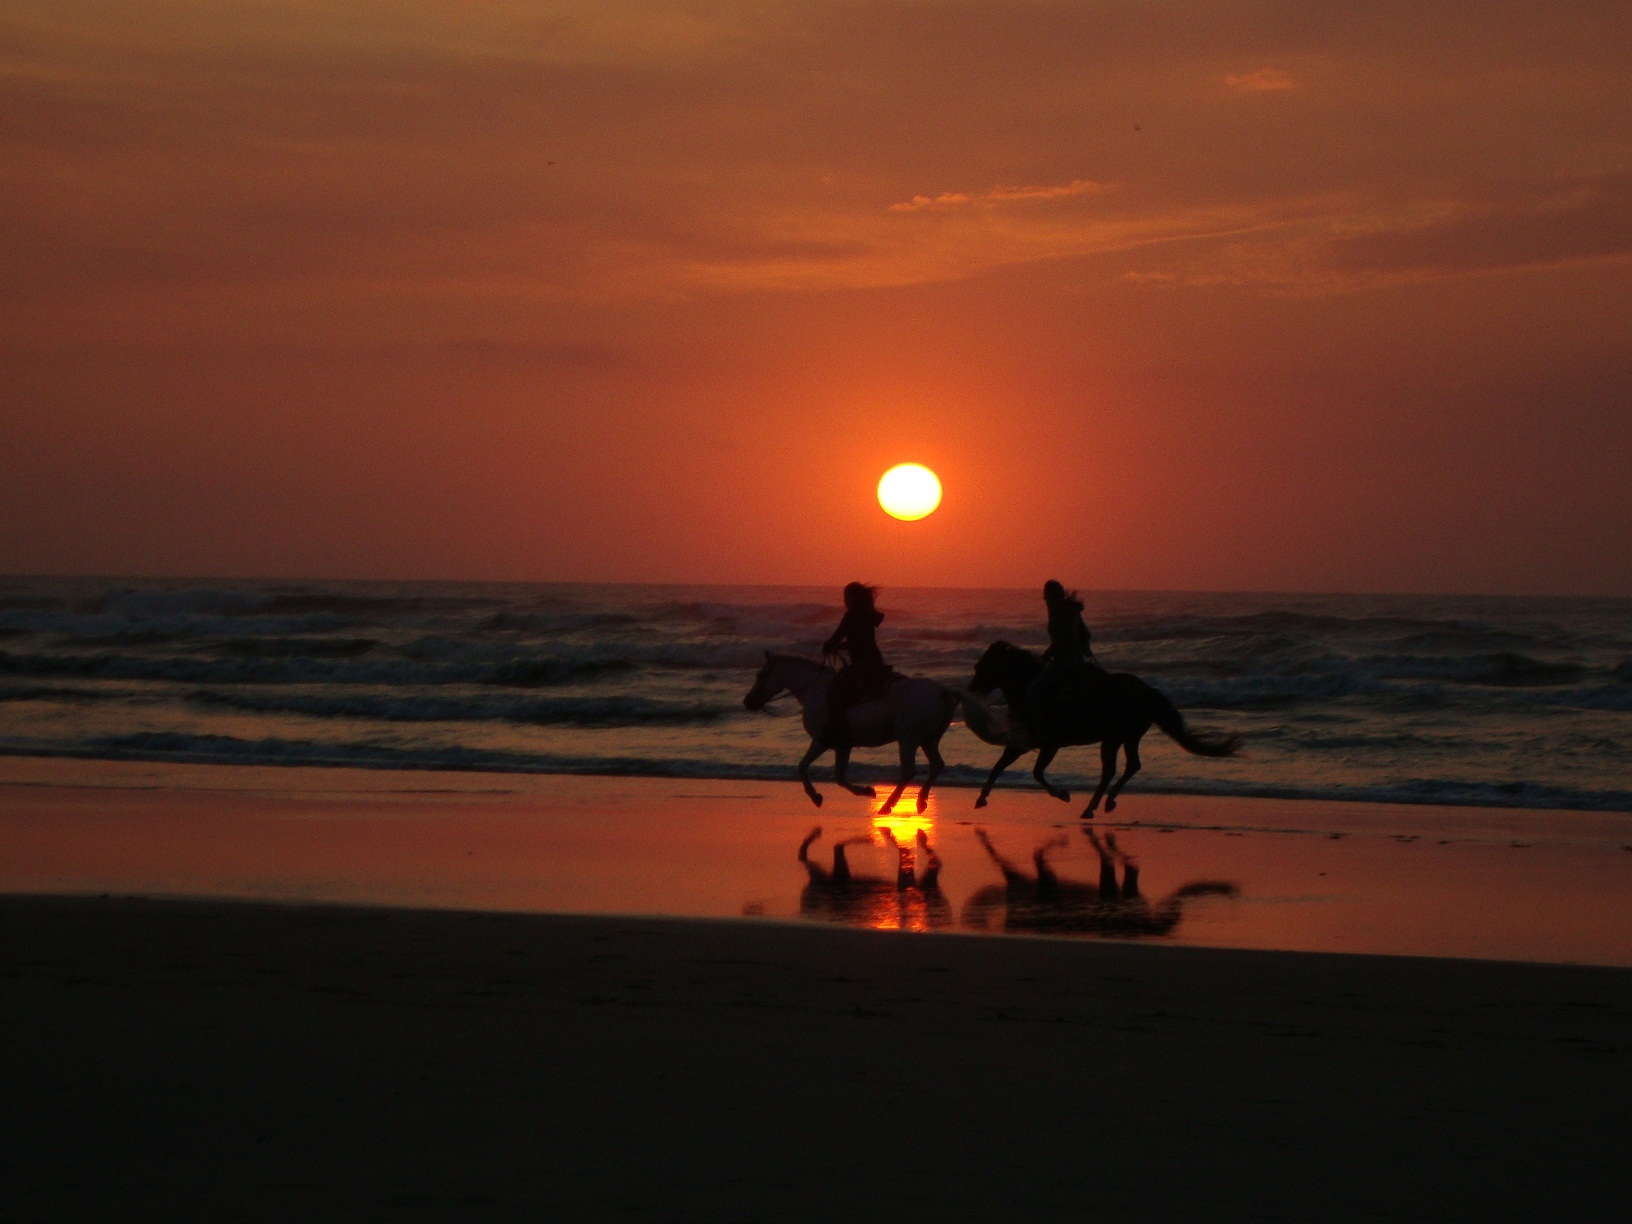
{"x":1309,"y":876}
{"x":215,"y":1060}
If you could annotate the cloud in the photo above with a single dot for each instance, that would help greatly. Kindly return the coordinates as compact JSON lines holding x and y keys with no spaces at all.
{"x":1264,"y":80}
{"x":1355,"y":242}
{"x":1001,"y":195}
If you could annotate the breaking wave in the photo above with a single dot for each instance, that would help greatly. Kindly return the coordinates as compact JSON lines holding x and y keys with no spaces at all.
{"x":1402,"y":699}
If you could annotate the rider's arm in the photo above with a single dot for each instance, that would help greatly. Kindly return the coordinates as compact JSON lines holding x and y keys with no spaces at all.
{"x":840,"y":638}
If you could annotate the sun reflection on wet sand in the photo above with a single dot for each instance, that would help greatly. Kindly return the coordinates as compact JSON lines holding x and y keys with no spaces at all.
{"x":910,"y":901}
{"x":1506,"y":884}
{"x":902,"y":832}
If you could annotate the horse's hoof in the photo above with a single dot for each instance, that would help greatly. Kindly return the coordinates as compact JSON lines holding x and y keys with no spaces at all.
{"x":1062,"y":796}
{"x":923,"y":804}
{"x":1089,"y":814}
{"x":981,"y":802}
{"x":817,"y":799}
{"x":870,"y":792}
{"x":1110,"y":806}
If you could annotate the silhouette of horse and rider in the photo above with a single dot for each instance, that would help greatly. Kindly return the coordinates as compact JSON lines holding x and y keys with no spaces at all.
{"x":1062,"y":699}
{"x":1041,"y":902}
{"x":1044,"y":903}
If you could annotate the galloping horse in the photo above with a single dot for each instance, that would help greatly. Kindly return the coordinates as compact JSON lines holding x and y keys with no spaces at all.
{"x":1113,"y":710}
{"x":912,"y":712}
{"x":1045,"y":903}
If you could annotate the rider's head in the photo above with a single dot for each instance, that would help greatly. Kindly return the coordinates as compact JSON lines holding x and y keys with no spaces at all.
{"x":1053,"y":591}
{"x":858,"y":597}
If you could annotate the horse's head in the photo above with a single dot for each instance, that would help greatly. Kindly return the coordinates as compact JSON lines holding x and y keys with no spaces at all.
{"x":1004,"y":665}
{"x":767,"y":684}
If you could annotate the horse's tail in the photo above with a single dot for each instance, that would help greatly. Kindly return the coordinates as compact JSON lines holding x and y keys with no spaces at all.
{"x":1206,"y":888}
{"x":980,"y":718}
{"x":1171,"y":721}
{"x":1166,"y":914}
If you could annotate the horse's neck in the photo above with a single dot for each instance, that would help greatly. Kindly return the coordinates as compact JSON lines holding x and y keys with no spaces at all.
{"x":1014,"y":691}
{"x":804,"y":678}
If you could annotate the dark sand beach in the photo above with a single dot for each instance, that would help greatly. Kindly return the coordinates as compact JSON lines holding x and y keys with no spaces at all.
{"x":320,"y":995}
{"x":211,"y":1060}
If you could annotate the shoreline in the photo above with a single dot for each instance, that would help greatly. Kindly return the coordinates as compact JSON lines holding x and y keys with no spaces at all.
{"x":874,"y":774}
{"x":337,"y":1063}
{"x":1493,"y":884}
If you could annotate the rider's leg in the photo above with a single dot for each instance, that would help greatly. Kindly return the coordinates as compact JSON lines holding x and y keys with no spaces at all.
{"x":834,"y":730}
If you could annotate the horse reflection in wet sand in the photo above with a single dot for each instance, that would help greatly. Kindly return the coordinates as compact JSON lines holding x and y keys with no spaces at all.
{"x":912,"y":901}
{"x":1045,"y":904}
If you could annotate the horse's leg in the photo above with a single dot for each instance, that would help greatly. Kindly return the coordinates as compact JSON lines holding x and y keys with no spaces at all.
{"x":932,"y":753}
{"x":1044,"y":757}
{"x":1130,"y":869}
{"x":815,"y":750}
{"x":929,"y":877}
{"x":1107,"y":771}
{"x":1011,"y":874}
{"x":1048,"y":884}
{"x":1131,"y":749}
{"x":909,"y":766}
{"x":841,"y":766}
{"x":1009,"y":757}
{"x":817,"y":875}
{"x":1107,"y":868}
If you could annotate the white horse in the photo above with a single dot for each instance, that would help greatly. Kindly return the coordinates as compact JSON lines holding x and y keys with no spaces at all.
{"x":912,"y":712}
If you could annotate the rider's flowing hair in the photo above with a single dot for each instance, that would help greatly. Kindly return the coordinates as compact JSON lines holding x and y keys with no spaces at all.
{"x":861,"y":597}
{"x":1055,"y":592}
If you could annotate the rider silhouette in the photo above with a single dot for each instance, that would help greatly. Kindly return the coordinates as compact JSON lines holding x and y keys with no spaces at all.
{"x":1069,"y":657}
{"x":1068,"y":637}
{"x":865,"y":675}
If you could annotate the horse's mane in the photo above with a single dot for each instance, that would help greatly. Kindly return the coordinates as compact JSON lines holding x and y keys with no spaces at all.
{"x":1004,"y":647}
{"x":793,"y":658}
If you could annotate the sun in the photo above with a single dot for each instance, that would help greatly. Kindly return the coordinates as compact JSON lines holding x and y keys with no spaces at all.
{"x":909,"y":491}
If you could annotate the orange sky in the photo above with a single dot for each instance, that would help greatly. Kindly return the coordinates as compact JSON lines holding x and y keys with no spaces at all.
{"x":1171,"y":294}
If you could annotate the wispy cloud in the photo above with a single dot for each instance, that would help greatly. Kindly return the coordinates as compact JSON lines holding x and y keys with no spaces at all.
{"x":1264,"y":80}
{"x":1002,"y":195}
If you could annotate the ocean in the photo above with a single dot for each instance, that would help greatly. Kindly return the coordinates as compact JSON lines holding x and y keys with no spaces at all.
{"x":1515,"y":702}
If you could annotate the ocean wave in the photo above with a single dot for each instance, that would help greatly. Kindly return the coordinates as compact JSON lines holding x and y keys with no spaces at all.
{"x":621,"y":711}
{"x":148,"y":603}
{"x":225,"y":749}
{"x":38,"y":692}
{"x":270,"y":667}
{"x":551,"y":624}
{"x":98,"y":628}
{"x":1612,"y":697}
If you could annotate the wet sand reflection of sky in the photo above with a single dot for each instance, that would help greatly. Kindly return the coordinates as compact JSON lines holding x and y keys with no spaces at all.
{"x":1552,"y":886}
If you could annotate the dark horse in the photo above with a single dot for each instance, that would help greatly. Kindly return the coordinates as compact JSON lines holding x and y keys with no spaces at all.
{"x":1113,"y":710}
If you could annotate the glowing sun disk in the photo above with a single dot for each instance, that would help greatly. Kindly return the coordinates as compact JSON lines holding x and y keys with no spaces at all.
{"x":909,"y":491}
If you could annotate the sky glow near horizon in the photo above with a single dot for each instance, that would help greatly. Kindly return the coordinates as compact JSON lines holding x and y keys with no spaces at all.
{"x":1199,"y":295}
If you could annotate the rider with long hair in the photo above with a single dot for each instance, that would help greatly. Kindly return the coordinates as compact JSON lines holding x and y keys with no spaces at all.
{"x":1069,"y":660}
{"x":866,"y":673}
{"x":1068,"y":637}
